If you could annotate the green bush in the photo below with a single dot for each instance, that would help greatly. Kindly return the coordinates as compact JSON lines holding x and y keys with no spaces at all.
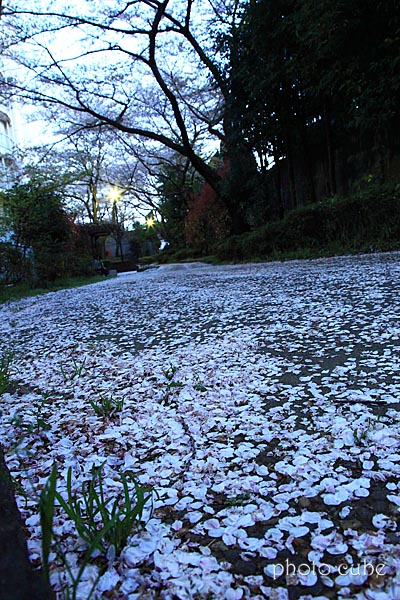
{"x":44,"y":243}
{"x":185,"y":254}
{"x":5,"y":364}
{"x":14,"y":266}
{"x":171,"y":255}
{"x":367,"y":219}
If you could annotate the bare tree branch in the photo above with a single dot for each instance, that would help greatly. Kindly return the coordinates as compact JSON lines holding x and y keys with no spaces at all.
{"x":131,"y":34}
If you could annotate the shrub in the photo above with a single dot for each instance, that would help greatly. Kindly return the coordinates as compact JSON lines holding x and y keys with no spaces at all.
{"x":5,"y":363}
{"x":207,"y":221}
{"x":44,"y":243}
{"x":369,"y":218}
{"x":14,"y":266}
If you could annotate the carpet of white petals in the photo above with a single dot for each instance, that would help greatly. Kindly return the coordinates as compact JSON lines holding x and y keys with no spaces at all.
{"x":261,"y":403}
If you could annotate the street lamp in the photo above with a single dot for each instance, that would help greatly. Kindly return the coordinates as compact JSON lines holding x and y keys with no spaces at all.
{"x":114,"y":194}
{"x":150,"y":221}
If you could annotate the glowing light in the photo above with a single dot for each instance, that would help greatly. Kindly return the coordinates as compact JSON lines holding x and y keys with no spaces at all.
{"x":114,"y":194}
{"x":150,"y":221}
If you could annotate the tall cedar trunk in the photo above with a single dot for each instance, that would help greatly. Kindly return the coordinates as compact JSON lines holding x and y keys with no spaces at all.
{"x":383,"y":151}
{"x":279,"y":208}
{"x":237,"y":186}
{"x":307,"y":160}
{"x":286,"y":119}
{"x":330,"y":151}
{"x":292,"y":178}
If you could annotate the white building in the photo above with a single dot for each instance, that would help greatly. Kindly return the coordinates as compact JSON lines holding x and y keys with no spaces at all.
{"x":10,"y":119}
{"x":7,"y":145}
{"x":8,"y":134}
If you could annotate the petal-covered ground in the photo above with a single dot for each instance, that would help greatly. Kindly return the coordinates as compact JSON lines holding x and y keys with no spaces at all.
{"x":259,"y":402}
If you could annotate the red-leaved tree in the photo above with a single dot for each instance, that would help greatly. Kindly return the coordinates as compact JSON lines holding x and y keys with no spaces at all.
{"x":207,"y":220}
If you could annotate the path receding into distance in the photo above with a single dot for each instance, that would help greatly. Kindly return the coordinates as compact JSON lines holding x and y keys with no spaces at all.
{"x":261,"y":403}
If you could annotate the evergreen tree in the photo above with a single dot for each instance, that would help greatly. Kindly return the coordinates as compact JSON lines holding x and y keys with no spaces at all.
{"x":41,"y":229}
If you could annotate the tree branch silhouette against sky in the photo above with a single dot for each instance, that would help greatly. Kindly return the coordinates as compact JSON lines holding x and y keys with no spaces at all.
{"x":146,"y":68}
